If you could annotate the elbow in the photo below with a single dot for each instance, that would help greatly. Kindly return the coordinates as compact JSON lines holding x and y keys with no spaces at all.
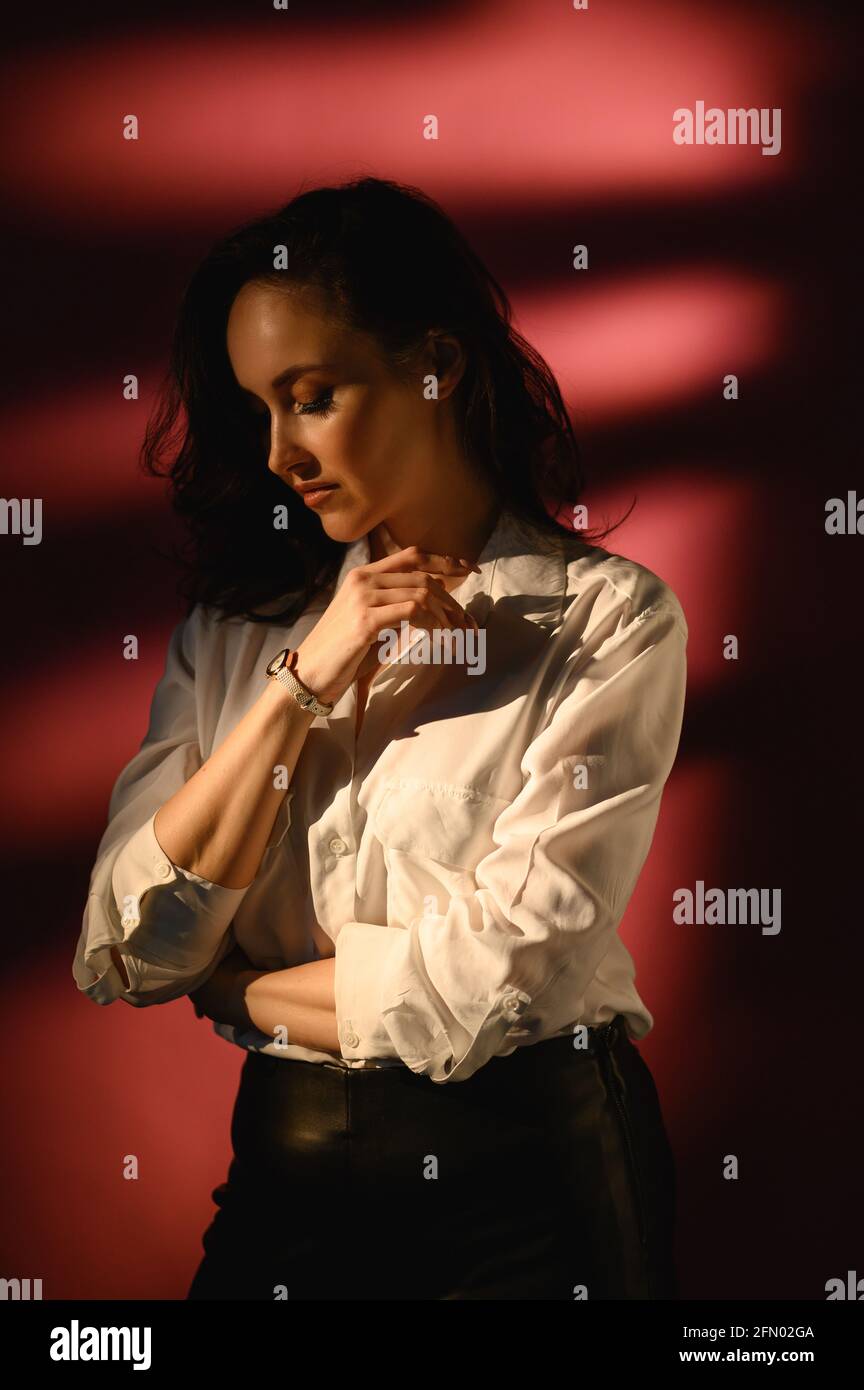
{"x":122,"y":976}
{"x":108,"y":988}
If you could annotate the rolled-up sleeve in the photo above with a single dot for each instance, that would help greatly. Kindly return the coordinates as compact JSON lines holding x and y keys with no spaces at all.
{"x":445,"y":992}
{"x":170,"y":926}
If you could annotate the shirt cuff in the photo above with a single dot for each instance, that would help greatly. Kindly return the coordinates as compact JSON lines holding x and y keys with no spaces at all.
{"x":386,"y":1008}
{"x":168,"y":916}
{"x":362,"y":949}
{"x":98,"y":978}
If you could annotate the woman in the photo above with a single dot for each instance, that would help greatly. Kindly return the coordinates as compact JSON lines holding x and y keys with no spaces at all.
{"x":402,"y":772}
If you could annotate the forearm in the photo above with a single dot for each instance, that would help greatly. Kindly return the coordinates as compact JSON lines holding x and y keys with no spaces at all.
{"x":217,"y":825}
{"x":297,"y":1005}
{"x":300,"y":1000}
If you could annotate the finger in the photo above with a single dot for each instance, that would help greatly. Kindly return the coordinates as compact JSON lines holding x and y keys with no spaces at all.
{"x":452,"y":603}
{"x":390,"y":583}
{"x":386,"y":584}
{"x":449,"y":612}
{"x":413,"y":559}
{"x":450,"y":616}
{"x":400,"y":593}
{"x":412,"y":577}
{"x":392,"y":547}
{"x":464,"y":618}
{"x":408,"y":612}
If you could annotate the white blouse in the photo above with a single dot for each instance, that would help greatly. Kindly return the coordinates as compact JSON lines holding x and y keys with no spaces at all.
{"x":468,"y":859}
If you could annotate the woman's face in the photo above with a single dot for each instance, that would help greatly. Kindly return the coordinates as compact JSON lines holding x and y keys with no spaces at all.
{"x":338,"y":417}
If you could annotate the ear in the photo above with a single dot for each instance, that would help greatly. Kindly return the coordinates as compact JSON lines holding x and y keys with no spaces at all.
{"x":447,"y":359}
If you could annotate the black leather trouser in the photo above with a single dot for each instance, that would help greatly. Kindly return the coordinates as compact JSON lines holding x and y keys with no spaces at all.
{"x":546,"y":1175}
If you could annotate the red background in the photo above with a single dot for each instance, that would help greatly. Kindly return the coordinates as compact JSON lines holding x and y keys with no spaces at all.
{"x":555,"y":129}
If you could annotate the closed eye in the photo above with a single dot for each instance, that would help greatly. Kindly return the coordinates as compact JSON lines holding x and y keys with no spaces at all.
{"x":322,"y":405}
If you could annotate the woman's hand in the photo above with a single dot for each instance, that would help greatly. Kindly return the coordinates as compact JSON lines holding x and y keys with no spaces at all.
{"x":221,"y":997}
{"x":400,"y":587}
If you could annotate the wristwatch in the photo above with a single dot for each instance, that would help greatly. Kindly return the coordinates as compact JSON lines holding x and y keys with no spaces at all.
{"x":281,"y":668}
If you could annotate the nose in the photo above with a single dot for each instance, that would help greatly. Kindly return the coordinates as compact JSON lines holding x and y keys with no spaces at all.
{"x":285,"y":455}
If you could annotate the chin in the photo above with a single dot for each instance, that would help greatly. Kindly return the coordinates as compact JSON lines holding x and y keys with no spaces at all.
{"x":348,"y":525}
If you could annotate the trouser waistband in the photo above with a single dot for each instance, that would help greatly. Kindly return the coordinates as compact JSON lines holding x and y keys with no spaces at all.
{"x":594,"y":1042}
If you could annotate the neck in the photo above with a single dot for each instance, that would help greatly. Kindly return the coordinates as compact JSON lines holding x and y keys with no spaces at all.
{"x":459,"y":528}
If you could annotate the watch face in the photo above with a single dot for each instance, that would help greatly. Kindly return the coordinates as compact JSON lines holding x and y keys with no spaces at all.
{"x":278,"y":661}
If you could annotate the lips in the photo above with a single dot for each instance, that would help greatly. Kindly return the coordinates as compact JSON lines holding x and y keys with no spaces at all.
{"x":312,"y":495}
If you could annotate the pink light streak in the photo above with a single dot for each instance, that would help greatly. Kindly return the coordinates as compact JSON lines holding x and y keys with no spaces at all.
{"x":533,"y":102}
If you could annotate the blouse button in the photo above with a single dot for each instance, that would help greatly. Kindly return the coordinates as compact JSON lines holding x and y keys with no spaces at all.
{"x":163,"y":868}
{"x":510,"y":1001}
{"x":351,"y":1039}
{"x":337,"y":846}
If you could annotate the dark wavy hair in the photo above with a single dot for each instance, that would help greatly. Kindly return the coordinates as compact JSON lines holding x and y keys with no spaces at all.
{"x":391,"y":263}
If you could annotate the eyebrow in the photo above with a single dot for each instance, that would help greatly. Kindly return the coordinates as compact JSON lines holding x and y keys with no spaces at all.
{"x":291,"y":372}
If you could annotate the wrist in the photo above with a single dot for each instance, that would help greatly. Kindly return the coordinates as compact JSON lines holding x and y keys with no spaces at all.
{"x":280,"y":669}
{"x":284,"y":702}
{"x":311,"y":679}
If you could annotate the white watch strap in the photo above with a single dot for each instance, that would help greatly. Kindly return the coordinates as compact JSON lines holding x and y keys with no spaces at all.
{"x":304,"y":697}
